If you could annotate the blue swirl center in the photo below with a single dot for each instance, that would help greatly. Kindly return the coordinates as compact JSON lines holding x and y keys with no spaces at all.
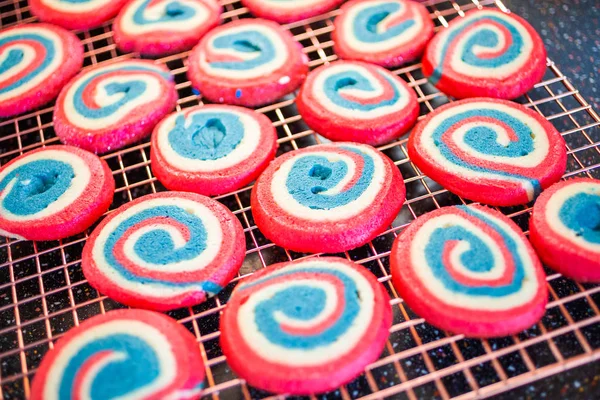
{"x":132,"y":374}
{"x":311,"y":176}
{"x":485,"y":38}
{"x":129,"y":91}
{"x":356,"y":81}
{"x":478,"y":259}
{"x":365,"y":26}
{"x":581,"y":213}
{"x":485,"y":140}
{"x":157,"y":247}
{"x":38,"y":184}
{"x":304,"y":303}
{"x":207,"y":136}
{"x":248,"y":42}
{"x":15,"y":56}
{"x":174,"y":11}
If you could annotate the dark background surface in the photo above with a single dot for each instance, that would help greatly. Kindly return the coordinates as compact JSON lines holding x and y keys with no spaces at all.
{"x":571,"y":32}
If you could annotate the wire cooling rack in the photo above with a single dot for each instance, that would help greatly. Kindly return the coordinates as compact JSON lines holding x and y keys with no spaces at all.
{"x":43,"y":292}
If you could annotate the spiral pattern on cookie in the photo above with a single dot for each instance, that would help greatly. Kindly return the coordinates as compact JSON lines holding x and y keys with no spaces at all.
{"x":123,"y":354}
{"x":336,"y":182}
{"x":359,"y":91}
{"x":279,"y":320}
{"x":484,"y":44}
{"x":381,"y":25}
{"x":29,"y":56}
{"x":167,"y":248}
{"x":150,"y":16}
{"x":489,"y":142}
{"x":49,"y":188}
{"x":107,"y":96}
{"x":472,"y":264}
{"x":245,"y":51}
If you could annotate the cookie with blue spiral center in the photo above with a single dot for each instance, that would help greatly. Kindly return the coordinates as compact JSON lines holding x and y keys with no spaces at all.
{"x":131,"y":354}
{"x":565,"y":228}
{"x":162,"y":27}
{"x":327,"y":198}
{"x":305,"y":327}
{"x":36,"y":61}
{"x":469,"y":270}
{"x":383,"y":32}
{"x":165,"y":251}
{"x":487,"y":53}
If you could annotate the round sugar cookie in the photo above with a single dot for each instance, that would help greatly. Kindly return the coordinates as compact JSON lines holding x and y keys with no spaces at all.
{"x":109,"y":106}
{"x":78,"y":14}
{"x":212,"y":149}
{"x":492,"y":151}
{"x":327,"y":198}
{"x":286,"y":11}
{"x":488,"y":53}
{"x":162,"y":27}
{"x":53,"y":192}
{"x":469,"y":270}
{"x":357,"y":102}
{"x":165,"y":251}
{"x":130,"y":354}
{"x":305,"y":327}
{"x":389,"y":33}
{"x":249,"y":62}
{"x":565,"y":228}
{"x":37,"y":61}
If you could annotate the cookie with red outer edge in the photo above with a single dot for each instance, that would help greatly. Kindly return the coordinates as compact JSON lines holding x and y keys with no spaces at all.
{"x":249,"y":62}
{"x":286,"y":11}
{"x":38,"y":59}
{"x":383,"y":32}
{"x":156,"y":358}
{"x":308,"y":326}
{"x":564,"y":228}
{"x":161,"y":27}
{"x":492,"y":151}
{"x":165,"y":251}
{"x":110,"y":106}
{"x":53,"y":192}
{"x":85,"y":14}
{"x":357,"y":102}
{"x":327,"y":198}
{"x":212,"y":149}
{"x":469,"y":270}
{"x":487,"y":53}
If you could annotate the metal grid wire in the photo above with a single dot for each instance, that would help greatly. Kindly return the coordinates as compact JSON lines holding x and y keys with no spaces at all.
{"x":43,"y":292}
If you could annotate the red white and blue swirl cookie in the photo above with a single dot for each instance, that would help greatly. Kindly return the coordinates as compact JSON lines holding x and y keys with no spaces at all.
{"x":491,"y":151}
{"x":357,"y":102}
{"x":165,"y":251}
{"x":52,"y":193}
{"x":487,"y":53}
{"x":286,"y":11}
{"x":36,"y":62}
{"x":327,"y":198}
{"x":110,"y":106}
{"x":133,"y":354}
{"x":383,"y":32}
{"x":249,"y":62}
{"x":76,"y":14}
{"x":565,"y":228}
{"x":212,"y":149}
{"x":161,"y":27}
{"x":469,"y":270}
{"x":307,"y":326}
